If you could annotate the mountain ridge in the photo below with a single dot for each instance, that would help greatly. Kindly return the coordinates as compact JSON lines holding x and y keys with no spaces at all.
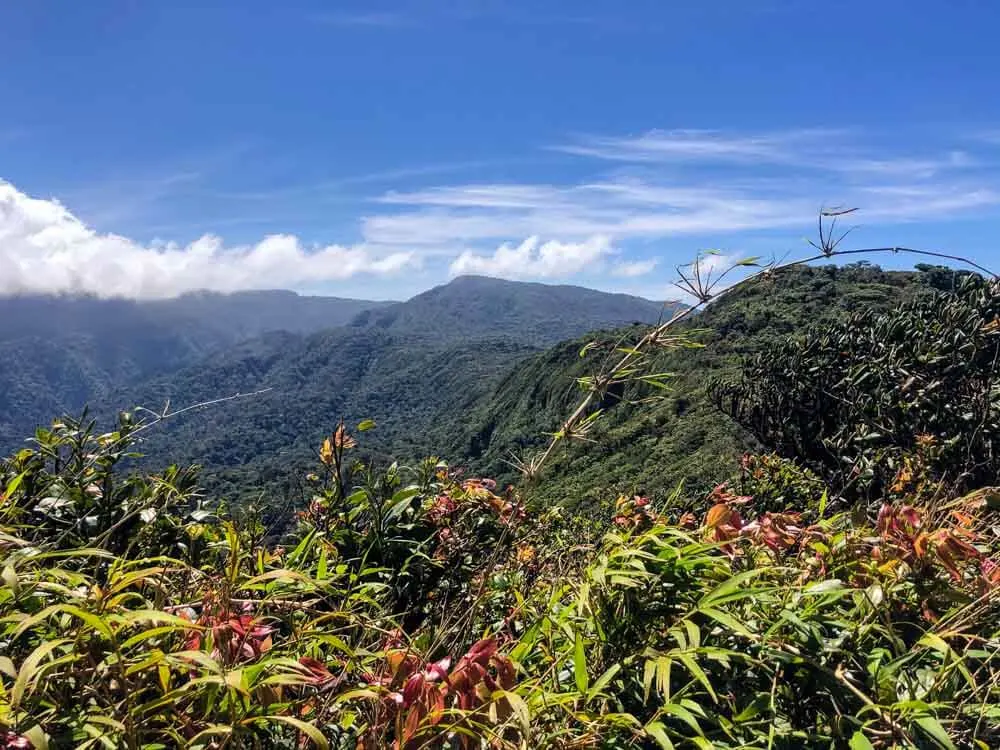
{"x":534,"y":312}
{"x":191,"y":358}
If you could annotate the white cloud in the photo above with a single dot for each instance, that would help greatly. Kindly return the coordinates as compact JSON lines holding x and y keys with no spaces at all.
{"x":535,"y":259}
{"x":634,"y":268}
{"x":816,"y":149}
{"x":45,"y":248}
{"x":714,"y":263}
{"x":667,"y":185}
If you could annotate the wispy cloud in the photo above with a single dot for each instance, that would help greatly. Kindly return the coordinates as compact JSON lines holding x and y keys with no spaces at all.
{"x":135,"y":197}
{"x":372,"y":19}
{"x":9,"y":135}
{"x":688,"y":145}
{"x":812,"y":148}
{"x":635,"y":268}
{"x":463,"y":214}
{"x":324,"y":187}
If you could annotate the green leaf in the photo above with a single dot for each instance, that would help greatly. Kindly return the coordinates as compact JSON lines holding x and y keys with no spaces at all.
{"x":825,"y":587}
{"x":758,"y":704}
{"x":698,"y":673}
{"x":29,"y":669}
{"x":726,"y":620}
{"x":39,"y":740}
{"x":685,"y":715}
{"x":401,"y":501}
{"x":305,"y":727}
{"x":9,"y":576}
{"x":366,"y":424}
{"x":933,"y":729}
{"x":15,"y":483}
{"x":7,"y":667}
{"x":580,"y":665}
{"x":937,"y":643}
{"x":658,"y":732}
{"x":603,"y":681}
{"x":734,"y":587}
{"x":518,"y":706}
{"x":860,"y":742}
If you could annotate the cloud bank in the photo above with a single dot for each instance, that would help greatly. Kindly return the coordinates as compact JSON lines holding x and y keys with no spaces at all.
{"x":642,"y":193}
{"x":46,"y":249}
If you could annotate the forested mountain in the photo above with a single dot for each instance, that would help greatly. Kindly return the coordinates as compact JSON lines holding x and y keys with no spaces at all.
{"x":59,"y":352}
{"x":406,"y":366}
{"x":458,"y":370}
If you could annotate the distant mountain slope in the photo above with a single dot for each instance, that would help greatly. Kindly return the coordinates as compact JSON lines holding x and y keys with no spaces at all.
{"x":244,"y":315}
{"x":536,"y":314}
{"x":414,"y":367}
{"x":59,"y":352}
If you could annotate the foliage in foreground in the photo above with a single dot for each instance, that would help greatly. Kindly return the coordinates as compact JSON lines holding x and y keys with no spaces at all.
{"x":412,"y":608}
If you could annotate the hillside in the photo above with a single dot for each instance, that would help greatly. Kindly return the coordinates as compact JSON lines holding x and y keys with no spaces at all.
{"x":681,"y":436}
{"x":410,"y":367}
{"x":58,"y":353}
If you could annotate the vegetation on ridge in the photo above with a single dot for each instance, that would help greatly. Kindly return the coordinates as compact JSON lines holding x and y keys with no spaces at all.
{"x":680,"y":436}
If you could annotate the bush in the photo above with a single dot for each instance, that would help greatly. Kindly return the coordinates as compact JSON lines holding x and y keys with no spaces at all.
{"x":856,"y":401}
{"x":415,"y":608}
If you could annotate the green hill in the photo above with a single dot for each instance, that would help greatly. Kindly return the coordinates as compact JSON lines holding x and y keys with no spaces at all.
{"x":682,"y":436}
{"x":534,"y":314}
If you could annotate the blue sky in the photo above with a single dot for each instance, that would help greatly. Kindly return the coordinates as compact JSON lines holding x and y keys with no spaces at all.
{"x":377,"y":149}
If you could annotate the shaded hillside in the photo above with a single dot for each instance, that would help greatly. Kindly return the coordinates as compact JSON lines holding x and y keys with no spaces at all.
{"x":681,"y":437}
{"x":59,"y":352}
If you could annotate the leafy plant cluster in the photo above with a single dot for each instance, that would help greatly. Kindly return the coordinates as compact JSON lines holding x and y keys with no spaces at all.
{"x":874,"y":401}
{"x":414,"y":608}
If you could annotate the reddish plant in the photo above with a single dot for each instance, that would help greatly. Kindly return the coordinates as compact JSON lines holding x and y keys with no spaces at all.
{"x":904,"y":536}
{"x":421,"y":691}
{"x":236,"y":638}
{"x":634,"y":513}
{"x":13,"y":741}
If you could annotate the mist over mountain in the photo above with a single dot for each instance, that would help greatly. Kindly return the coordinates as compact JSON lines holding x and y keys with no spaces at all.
{"x":59,"y":352}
